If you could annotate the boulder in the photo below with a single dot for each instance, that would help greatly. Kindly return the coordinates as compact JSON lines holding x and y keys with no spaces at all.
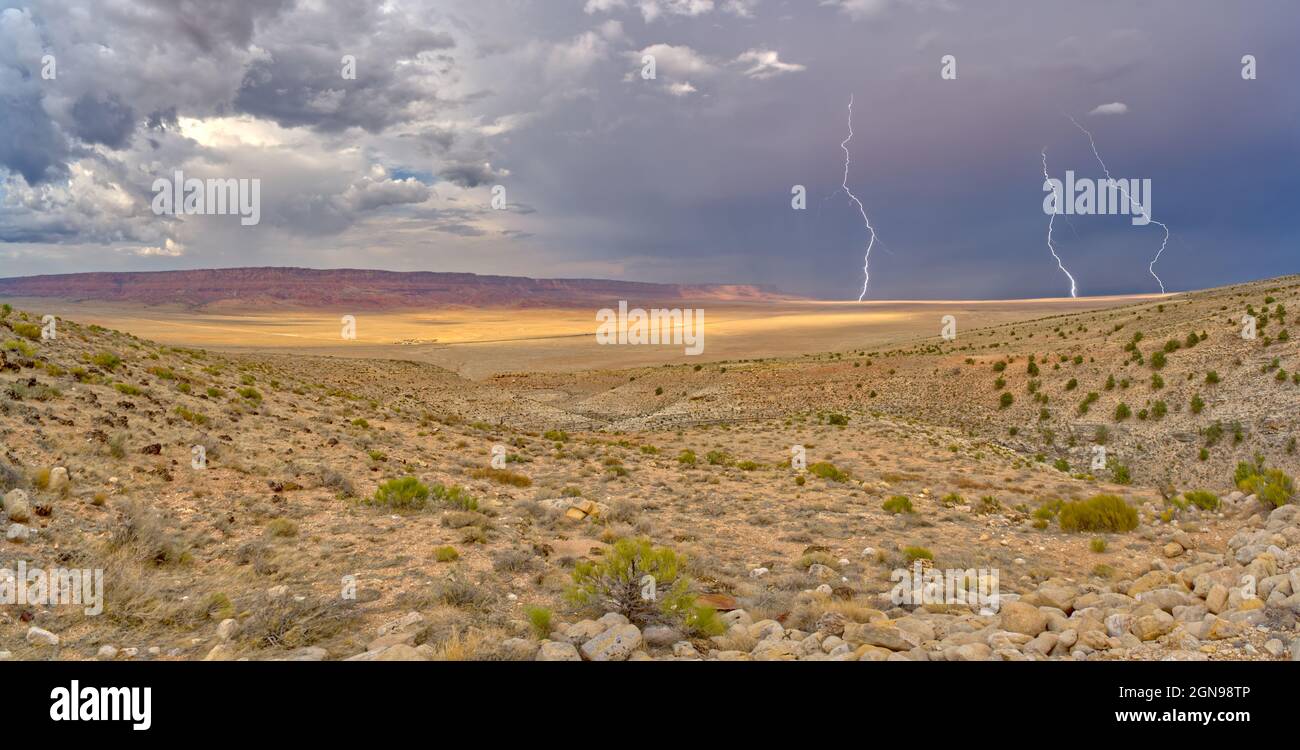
{"x":557,"y":651}
{"x":16,"y":506}
{"x":615,"y":644}
{"x":1019,"y":617}
{"x":873,"y":634}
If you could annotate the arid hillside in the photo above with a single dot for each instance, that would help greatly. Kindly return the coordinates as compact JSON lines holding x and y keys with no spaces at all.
{"x":1126,"y":472}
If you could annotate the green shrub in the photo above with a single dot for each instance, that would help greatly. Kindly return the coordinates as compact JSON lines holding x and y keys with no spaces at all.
{"x":107,"y":360}
{"x":1098,"y":513}
{"x":1097,"y":545}
{"x":619,"y":581}
{"x":827,"y":470}
{"x":404,"y":493}
{"x":539,"y":619}
{"x":912,"y":554}
{"x":447,"y":553}
{"x":1202,"y":499}
{"x":686,"y":457}
{"x":455,"y":496}
{"x":1272,"y":487}
{"x":192,"y":417}
{"x":27,"y":330}
{"x":718,"y":458}
{"x":898,"y":504}
{"x":22,"y":347}
{"x":1005,"y":400}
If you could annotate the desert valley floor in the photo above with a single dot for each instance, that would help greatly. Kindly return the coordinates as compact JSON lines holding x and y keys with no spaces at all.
{"x":254,"y":487}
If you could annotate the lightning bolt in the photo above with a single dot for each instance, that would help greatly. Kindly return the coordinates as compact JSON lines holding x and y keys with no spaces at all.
{"x":866,"y":261}
{"x":1151,"y":267}
{"x":1052,"y":220}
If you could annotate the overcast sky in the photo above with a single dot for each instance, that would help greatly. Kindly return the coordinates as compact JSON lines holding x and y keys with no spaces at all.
{"x":686,"y":177}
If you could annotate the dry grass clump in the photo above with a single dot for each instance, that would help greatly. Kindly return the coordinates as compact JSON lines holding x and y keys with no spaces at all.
{"x":502,"y":476}
{"x":1098,"y":513}
{"x":140,"y":530}
{"x":288,"y":621}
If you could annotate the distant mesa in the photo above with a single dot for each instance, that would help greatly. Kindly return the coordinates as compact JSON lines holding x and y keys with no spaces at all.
{"x":355,"y":289}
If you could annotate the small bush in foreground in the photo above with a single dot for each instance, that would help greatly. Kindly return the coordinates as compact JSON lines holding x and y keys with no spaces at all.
{"x":539,"y":619}
{"x":644,"y":583}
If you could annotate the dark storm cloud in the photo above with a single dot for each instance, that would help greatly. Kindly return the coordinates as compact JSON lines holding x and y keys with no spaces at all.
{"x":204,"y":24}
{"x":304,"y":85}
{"x":470,"y":174}
{"x":686,"y":177}
{"x":30,"y":144}
{"x":103,"y":119}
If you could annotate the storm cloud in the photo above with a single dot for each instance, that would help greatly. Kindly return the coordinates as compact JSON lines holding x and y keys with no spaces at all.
{"x":379,"y":131}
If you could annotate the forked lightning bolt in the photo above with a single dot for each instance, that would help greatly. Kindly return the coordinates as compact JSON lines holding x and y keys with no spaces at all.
{"x":866,"y":261}
{"x":1151,"y":267}
{"x":1051,"y":219}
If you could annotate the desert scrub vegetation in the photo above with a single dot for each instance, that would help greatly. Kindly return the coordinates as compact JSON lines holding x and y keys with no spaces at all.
{"x":285,"y":621}
{"x":1202,"y":499}
{"x":828,"y":470}
{"x":898,"y":504}
{"x":281,"y":527}
{"x":718,"y":458}
{"x":22,"y":347}
{"x":406,"y":493}
{"x":26,"y":330}
{"x":1098,"y":513}
{"x":913,"y":553}
{"x":617,"y":581}
{"x":445,"y":553}
{"x":106,"y":360}
{"x":502,"y":476}
{"x":1272,"y":487}
{"x":193,"y":417}
{"x":141,"y":533}
{"x":455,"y":496}
{"x":539,"y":619}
